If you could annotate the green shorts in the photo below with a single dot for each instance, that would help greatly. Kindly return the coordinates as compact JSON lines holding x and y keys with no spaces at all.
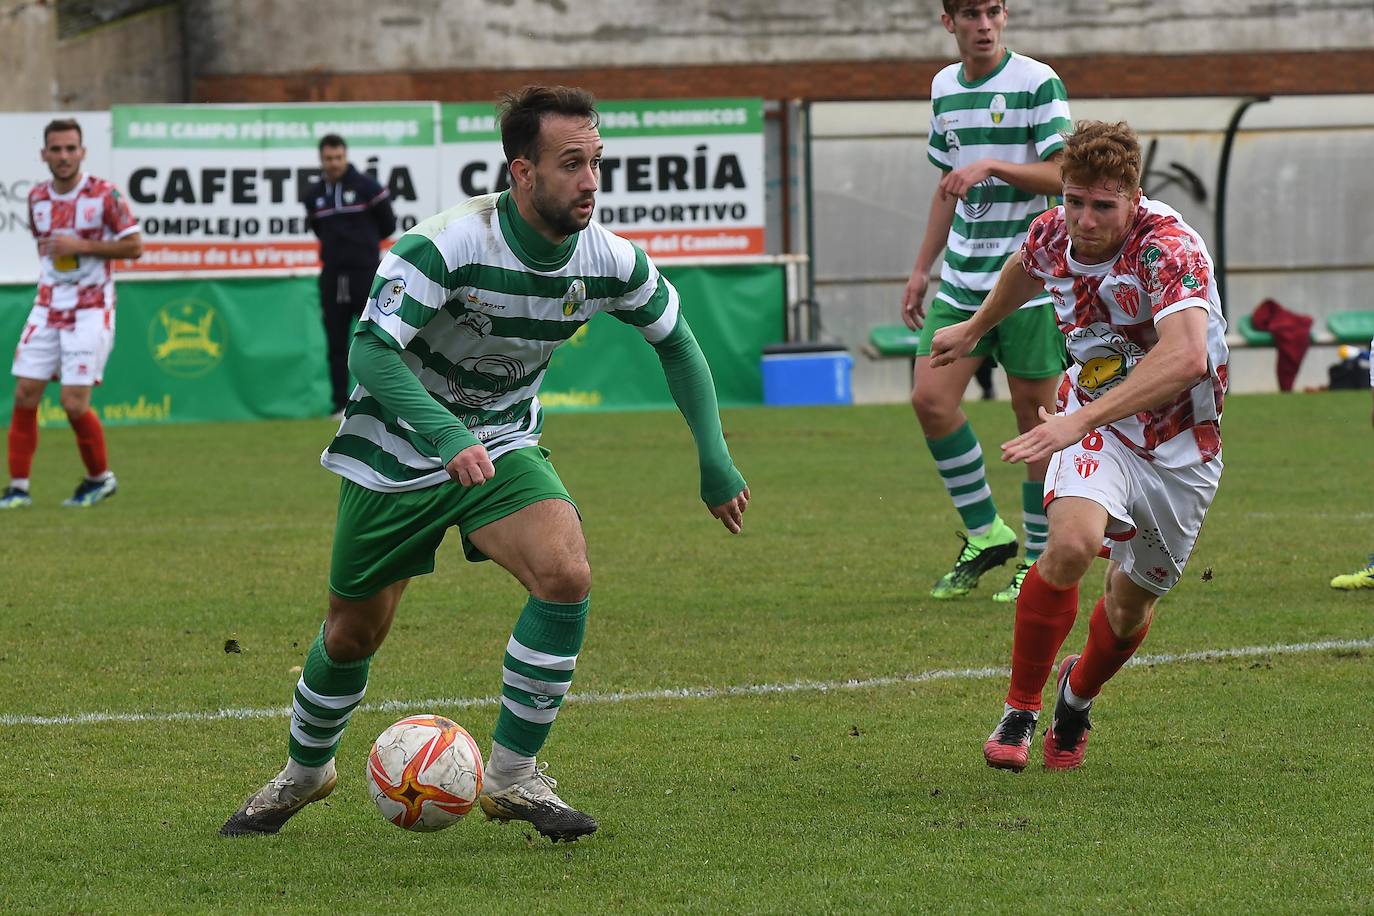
{"x":381,"y":538}
{"x":1027,"y":344}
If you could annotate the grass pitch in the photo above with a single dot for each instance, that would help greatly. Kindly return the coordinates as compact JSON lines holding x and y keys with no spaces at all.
{"x":1234,"y":784}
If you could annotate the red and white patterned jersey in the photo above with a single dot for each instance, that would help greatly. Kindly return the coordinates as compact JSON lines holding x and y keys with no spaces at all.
{"x":1108,"y":314}
{"x":93,"y":209}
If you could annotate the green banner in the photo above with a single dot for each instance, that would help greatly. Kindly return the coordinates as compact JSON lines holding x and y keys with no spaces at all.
{"x":238,"y":349}
{"x":183,"y":127}
{"x":466,"y":122}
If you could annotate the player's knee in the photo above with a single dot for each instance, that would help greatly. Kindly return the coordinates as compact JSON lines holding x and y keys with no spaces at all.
{"x":566,"y":581}
{"x":932,"y":411}
{"x":27,"y":395}
{"x":1065,"y":560}
{"x":75,"y":405}
{"x":350,"y":642}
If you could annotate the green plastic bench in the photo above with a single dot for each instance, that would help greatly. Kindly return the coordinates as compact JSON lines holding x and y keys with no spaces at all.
{"x":1253,"y":337}
{"x":1351,"y":327}
{"x":886,"y":340}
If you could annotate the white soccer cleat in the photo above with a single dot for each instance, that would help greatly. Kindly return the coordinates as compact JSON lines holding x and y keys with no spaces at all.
{"x":267,"y":809}
{"x":533,"y":799}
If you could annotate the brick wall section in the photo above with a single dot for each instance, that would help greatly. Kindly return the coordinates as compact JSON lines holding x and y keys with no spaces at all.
{"x":1146,"y":76}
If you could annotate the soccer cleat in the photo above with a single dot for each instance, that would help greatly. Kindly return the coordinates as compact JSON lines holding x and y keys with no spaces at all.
{"x":977,"y":556}
{"x":1363,"y":578}
{"x":15,"y":498}
{"x":533,"y":799}
{"x":1067,"y":740}
{"x":275,"y":803}
{"x":1009,"y":594}
{"x":90,"y":492}
{"x":1008,"y":747}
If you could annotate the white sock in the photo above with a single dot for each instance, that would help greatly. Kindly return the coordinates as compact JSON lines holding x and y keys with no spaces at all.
{"x":20,"y":483}
{"x":1008,"y":708}
{"x":505,"y":766}
{"x":101,"y":477}
{"x":1074,"y":700}
{"x":303,"y":775}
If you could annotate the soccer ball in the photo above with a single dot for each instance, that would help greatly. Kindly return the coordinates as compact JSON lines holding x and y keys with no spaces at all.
{"x":425,"y":773}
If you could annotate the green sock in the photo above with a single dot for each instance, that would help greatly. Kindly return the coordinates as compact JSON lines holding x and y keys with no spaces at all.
{"x":537,"y":672}
{"x":1033,"y":519}
{"x":959,"y":459}
{"x":326,"y":695}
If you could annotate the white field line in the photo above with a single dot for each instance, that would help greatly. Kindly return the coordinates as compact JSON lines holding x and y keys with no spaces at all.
{"x":680,"y":693}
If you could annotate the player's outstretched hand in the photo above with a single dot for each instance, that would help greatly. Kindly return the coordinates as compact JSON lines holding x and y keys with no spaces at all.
{"x":731,"y":514}
{"x":472,"y":466}
{"x":1055,"y":432}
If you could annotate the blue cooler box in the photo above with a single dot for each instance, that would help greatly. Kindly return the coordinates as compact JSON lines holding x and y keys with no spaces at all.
{"x":806,"y":374}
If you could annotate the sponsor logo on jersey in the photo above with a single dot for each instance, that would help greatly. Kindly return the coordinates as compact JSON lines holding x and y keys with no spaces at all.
{"x":1190,"y":281}
{"x":998,"y":107}
{"x":474,"y":299}
{"x":1101,"y":370}
{"x":479,"y":380}
{"x":979,"y":201}
{"x":476,"y":324}
{"x":574,"y":297}
{"x":1085,"y":465}
{"x":1149,"y":259}
{"x":1158,"y":573}
{"x":187,"y":338}
{"x":391,"y":295}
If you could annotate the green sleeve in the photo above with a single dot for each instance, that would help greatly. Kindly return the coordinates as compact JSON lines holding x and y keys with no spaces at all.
{"x":379,"y":369}
{"x":689,"y":381}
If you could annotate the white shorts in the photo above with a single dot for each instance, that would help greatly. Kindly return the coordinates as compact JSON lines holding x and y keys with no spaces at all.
{"x":1155,"y":512}
{"x":73,"y":356}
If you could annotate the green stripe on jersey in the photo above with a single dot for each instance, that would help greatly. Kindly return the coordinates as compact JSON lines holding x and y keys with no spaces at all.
{"x":992,"y":229}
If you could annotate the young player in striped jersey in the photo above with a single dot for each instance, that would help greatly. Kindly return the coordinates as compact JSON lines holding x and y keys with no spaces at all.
{"x":443,"y":431}
{"x":81,"y":224}
{"x":1135,"y":453}
{"x":995,"y":133}
{"x":1361,"y":578}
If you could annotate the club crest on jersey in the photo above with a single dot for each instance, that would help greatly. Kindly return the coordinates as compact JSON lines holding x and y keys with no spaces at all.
{"x":1085,"y":465}
{"x":350,"y":196}
{"x":1127,"y":298}
{"x":998,"y":107}
{"x":391,"y":295}
{"x":574,"y":297}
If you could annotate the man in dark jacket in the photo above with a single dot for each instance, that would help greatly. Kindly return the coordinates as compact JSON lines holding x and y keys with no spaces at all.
{"x":351,"y":214}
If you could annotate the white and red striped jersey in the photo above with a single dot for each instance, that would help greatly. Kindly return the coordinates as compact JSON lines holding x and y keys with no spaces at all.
{"x":94,"y":209}
{"x":1108,"y":313}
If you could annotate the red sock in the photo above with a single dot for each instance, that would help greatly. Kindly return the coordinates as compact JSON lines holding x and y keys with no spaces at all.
{"x":1044,"y":617}
{"x":1103,"y":656}
{"x":23,"y":441}
{"x":90,"y":440}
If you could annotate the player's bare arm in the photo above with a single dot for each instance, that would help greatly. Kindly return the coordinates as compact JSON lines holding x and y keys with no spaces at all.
{"x":731,"y":514}
{"x":130,"y":247}
{"x":1034,"y":177}
{"x":938,"y":223}
{"x":471,"y":467}
{"x":1172,"y":367}
{"x":1014,"y":288}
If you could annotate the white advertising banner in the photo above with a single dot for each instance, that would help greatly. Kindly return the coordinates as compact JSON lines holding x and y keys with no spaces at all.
{"x":681,"y":178}
{"x":219,"y":187}
{"x":21,"y":169}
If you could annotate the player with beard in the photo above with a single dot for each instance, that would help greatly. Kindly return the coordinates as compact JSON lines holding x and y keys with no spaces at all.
{"x":443,"y":431}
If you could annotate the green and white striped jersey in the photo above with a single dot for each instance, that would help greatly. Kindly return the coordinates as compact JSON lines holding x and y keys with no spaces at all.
{"x":1016,"y":114}
{"x":476,"y":302}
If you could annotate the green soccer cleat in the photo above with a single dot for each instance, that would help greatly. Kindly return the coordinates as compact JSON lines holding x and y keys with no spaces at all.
{"x":15,"y":498}
{"x":1009,"y":594}
{"x":977,"y":556}
{"x":90,"y":492}
{"x":267,"y":809}
{"x":533,"y":799}
{"x":1363,"y":578}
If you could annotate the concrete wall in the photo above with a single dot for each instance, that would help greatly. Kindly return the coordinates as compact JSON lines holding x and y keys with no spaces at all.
{"x":28,"y":37}
{"x":138,"y":59}
{"x":1297,"y":211}
{"x":361,"y":35}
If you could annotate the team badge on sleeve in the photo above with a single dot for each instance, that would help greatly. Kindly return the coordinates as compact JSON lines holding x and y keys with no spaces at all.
{"x":390,"y":296}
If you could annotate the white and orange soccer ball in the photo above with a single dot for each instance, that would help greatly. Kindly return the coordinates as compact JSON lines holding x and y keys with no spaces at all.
{"x":425,"y":773}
